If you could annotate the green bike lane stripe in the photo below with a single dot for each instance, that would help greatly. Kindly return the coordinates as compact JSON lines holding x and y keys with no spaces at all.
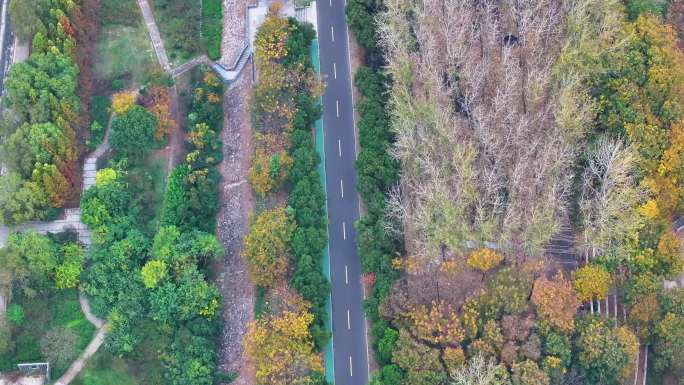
{"x":325,"y":257}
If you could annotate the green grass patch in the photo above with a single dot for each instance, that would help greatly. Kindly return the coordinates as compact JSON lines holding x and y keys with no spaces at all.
{"x":105,"y":369}
{"x":141,"y":367}
{"x":212,"y":27}
{"x":179,"y":24}
{"x":99,"y":114}
{"x":148,"y":185}
{"x":124,"y":52}
{"x":42,"y":313}
{"x":259,"y":302}
{"x":121,"y":12}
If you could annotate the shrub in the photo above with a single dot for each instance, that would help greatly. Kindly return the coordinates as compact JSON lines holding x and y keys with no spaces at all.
{"x":133,"y":132}
{"x":15,"y":314}
{"x":117,"y":84}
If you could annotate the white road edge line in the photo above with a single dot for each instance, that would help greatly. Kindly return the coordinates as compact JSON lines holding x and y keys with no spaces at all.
{"x":344,"y":231}
{"x":346,"y":274}
{"x":330,"y":3}
{"x":337,"y":108}
{"x":342,"y":188}
{"x":332,"y":33}
{"x":348,"y":320}
{"x":339,"y":147}
{"x":351,"y":372}
{"x":334,"y":70}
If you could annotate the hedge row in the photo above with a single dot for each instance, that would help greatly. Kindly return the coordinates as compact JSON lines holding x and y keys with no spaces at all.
{"x":307,"y":197}
{"x":192,"y":190}
{"x":378,"y":172}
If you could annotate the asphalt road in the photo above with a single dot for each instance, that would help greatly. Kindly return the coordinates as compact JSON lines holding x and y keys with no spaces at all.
{"x":6,"y":44}
{"x":348,"y":323}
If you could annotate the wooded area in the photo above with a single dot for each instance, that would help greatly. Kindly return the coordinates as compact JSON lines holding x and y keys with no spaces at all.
{"x":504,"y":121}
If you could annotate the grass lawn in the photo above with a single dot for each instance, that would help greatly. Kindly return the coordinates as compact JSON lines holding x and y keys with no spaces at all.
{"x":179,"y":26}
{"x":148,"y":185}
{"x":142,"y":367}
{"x":124,"y":52}
{"x":42,"y":313}
{"x":105,"y":369}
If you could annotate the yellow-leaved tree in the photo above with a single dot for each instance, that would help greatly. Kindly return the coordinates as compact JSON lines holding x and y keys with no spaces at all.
{"x":266,"y":246}
{"x":122,"y":102}
{"x":281,"y":349}
{"x":591,"y":282}
{"x":484,"y":259}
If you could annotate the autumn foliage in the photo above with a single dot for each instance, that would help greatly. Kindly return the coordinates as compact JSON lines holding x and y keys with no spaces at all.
{"x":157,"y":99}
{"x":266,"y":246}
{"x":281,"y":348}
{"x":122,"y":102}
{"x":591,"y":282}
{"x":484,"y":259}
{"x":556,"y":301}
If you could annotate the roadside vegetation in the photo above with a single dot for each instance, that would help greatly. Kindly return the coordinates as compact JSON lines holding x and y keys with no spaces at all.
{"x":284,"y":246}
{"x":475,"y":149}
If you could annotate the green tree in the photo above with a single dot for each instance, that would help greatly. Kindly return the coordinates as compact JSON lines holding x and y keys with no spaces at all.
{"x":361,"y":19}
{"x":606,"y":354}
{"x":669,"y":343}
{"x":421,"y":362}
{"x":26,"y":16}
{"x":43,"y":88}
{"x":132,"y":134}
{"x":153,"y":272}
{"x":635,"y":8}
{"x":6,"y":342}
{"x":186,"y":296}
{"x":20,"y":200}
{"x":37,"y":253}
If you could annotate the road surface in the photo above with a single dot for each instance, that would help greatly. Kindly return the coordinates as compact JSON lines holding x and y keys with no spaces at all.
{"x":348,"y":322}
{"x":6,"y":43}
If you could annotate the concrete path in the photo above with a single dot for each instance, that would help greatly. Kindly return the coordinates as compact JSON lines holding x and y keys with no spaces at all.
{"x":154,"y":34}
{"x":183,"y":68}
{"x":85,"y":308}
{"x":82,"y":360}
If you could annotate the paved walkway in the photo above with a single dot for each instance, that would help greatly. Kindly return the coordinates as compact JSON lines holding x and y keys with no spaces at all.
{"x":187,"y":66}
{"x":154,"y":34}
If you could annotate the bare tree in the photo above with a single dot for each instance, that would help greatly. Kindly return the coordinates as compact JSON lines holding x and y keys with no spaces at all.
{"x":609,"y":194}
{"x":490,"y":105}
{"x":480,"y":372}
